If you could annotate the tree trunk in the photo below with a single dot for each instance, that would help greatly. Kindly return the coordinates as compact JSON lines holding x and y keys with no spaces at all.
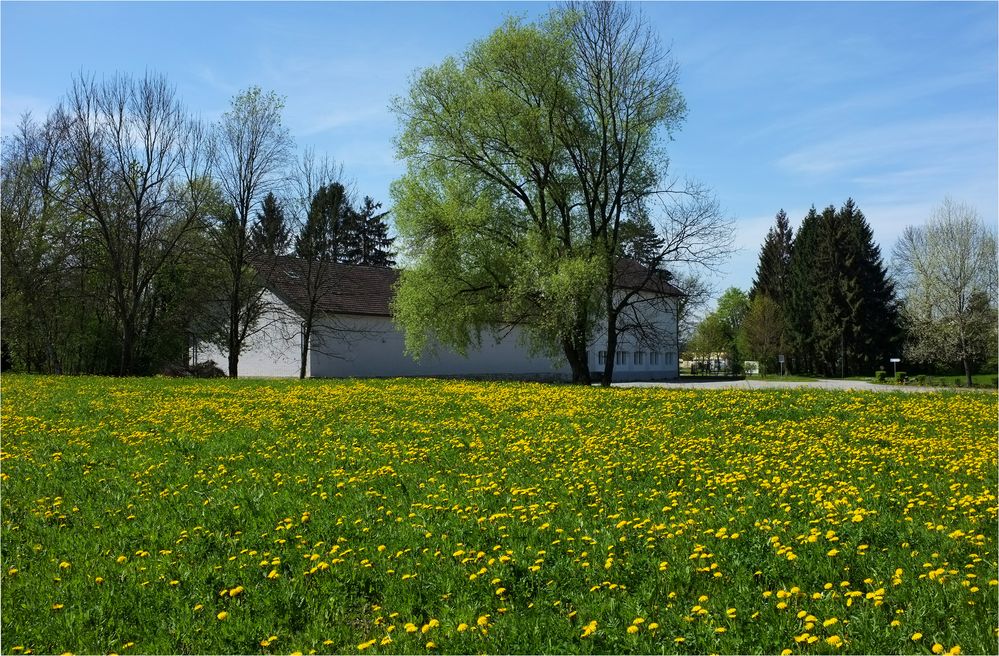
{"x":577,"y":361}
{"x":608,"y":376}
{"x":127,"y":346}
{"x":306,"y":338}
{"x":967,"y":370}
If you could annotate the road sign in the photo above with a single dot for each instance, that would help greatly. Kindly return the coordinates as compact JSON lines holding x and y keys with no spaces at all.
{"x":892,"y":359}
{"x":780,"y":358}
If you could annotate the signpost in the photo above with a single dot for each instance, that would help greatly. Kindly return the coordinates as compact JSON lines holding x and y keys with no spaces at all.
{"x":780,"y":358}
{"x":894,"y":365}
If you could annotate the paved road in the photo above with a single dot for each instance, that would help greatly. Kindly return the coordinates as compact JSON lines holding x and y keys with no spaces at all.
{"x":777,"y":384}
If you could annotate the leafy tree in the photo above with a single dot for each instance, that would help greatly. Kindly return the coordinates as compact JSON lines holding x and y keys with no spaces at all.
{"x":947,"y":270}
{"x":720,"y":331}
{"x":269,"y":235}
{"x":524,"y":159}
{"x":763,"y":331}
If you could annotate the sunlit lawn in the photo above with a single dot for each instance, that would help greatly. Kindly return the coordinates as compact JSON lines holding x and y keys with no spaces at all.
{"x":170,"y":516}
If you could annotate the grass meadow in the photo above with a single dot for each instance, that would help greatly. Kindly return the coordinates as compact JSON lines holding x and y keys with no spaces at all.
{"x":191,"y":516}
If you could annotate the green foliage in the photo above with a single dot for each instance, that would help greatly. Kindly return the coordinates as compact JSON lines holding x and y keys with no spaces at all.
{"x":762,"y":332}
{"x":721,"y":330}
{"x":531,"y":161}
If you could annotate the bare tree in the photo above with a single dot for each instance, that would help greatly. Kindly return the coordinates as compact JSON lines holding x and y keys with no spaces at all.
{"x":323,"y":202}
{"x":632,"y":104}
{"x":135,"y":166}
{"x":947,"y":270}
{"x":253,"y":149}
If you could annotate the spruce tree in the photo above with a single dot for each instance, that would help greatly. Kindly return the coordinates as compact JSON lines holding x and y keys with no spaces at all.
{"x":269,"y":234}
{"x":773,"y":270}
{"x":801,"y":283}
{"x":369,"y":242}
{"x":843,"y":316}
{"x":330,"y":220}
{"x":874,"y":323}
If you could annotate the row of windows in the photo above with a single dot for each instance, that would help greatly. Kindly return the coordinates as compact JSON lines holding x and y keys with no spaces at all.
{"x":638,"y":357}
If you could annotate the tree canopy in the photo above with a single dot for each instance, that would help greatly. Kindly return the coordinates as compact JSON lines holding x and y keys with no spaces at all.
{"x":527,"y":158}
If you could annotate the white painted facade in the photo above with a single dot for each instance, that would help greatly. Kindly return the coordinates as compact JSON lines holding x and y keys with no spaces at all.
{"x":372,"y":346}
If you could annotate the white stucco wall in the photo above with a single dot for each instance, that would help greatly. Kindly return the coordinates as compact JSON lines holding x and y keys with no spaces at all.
{"x":359,"y":346}
{"x":373,"y":346}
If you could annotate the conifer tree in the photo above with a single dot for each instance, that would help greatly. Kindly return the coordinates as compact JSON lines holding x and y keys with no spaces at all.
{"x":801,"y":276}
{"x":269,"y":234}
{"x":369,"y":243}
{"x":843,"y":316}
{"x":773,"y":269}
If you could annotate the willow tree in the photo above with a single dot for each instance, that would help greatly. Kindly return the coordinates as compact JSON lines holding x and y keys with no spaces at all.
{"x":525,"y":157}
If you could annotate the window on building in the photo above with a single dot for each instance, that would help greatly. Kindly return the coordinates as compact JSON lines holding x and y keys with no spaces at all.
{"x":621,"y":357}
{"x":654,"y":357}
{"x":601,"y":357}
{"x":639,"y":357}
{"x":670,"y":357}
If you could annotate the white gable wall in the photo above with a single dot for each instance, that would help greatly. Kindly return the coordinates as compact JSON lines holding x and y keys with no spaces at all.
{"x":271,"y":352}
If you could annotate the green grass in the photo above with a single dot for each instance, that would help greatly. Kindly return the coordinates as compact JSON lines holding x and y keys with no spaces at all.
{"x":492,"y":517}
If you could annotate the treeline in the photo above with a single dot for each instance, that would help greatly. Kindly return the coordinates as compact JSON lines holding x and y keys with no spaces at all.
{"x":126,"y":222}
{"x":823,"y":297}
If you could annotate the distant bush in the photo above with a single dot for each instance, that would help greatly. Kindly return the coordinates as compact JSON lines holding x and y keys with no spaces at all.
{"x":901,"y":377}
{"x":879,"y":376}
{"x":207,"y":369}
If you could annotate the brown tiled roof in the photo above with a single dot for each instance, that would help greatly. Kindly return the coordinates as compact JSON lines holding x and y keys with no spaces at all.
{"x":348,"y":288}
{"x":356,"y":289}
{"x":632,"y":274}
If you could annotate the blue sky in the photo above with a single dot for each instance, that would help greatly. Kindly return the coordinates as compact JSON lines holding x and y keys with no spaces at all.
{"x":893,"y":104}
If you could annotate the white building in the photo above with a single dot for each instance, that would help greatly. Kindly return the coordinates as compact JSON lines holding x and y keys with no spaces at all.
{"x":357,"y":338}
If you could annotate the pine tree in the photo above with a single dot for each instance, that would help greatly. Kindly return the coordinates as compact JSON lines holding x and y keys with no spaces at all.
{"x":269,"y":234}
{"x":369,"y":243}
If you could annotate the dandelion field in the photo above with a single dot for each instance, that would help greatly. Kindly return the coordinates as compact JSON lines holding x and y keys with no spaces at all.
{"x":169,"y":516}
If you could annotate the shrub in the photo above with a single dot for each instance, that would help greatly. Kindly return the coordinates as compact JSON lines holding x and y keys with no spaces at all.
{"x":207,"y":369}
{"x":900,"y":377}
{"x":879,"y":376}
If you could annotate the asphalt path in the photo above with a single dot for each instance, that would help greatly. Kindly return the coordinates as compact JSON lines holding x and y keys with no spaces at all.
{"x":829,"y":384}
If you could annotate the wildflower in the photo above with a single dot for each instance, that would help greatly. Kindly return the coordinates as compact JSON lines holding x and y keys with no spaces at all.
{"x":589,"y":629}
{"x":834,"y":641}
{"x":222,"y":616}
